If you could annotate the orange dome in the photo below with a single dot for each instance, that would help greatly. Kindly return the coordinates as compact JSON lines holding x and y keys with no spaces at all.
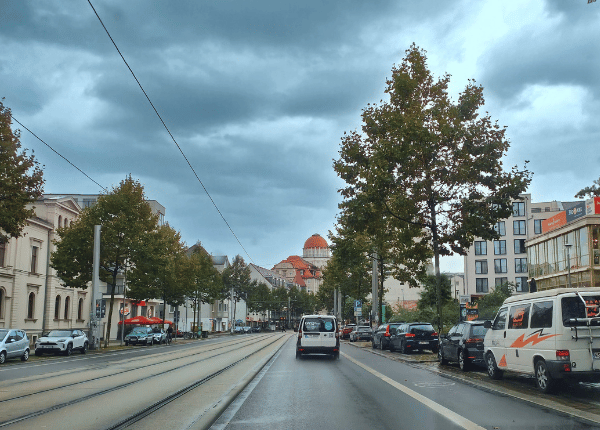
{"x":315,"y":241}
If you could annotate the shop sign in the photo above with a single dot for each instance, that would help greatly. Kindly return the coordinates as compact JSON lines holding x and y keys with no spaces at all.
{"x":576,"y":211}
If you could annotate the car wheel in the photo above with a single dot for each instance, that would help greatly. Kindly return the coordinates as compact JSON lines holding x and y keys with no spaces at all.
{"x":126,"y":343}
{"x":38,"y":353}
{"x":492,"y":368}
{"x":463,"y":360}
{"x":25,"y":355}
{"x":404,"y":349}
{"x":2,"y":357}
{"x":441,"y":357}
{"x":298,"y":354}
{"x":543,"y":380}
{"x":84,"y":349}
{"x":69,"y":349}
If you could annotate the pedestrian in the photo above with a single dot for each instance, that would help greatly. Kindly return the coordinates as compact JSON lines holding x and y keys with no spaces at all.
{"x":169,"y":333}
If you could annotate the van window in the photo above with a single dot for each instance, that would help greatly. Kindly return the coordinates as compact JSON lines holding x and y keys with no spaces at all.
{"x":500,"y":320}
{"x":541,"y":314}
{"x":573,"y":307}
{"x":519,"y":316}
{"x":326,"y":325}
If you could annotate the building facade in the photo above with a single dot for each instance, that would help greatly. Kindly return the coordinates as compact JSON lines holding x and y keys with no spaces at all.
{"x":489,"y":264}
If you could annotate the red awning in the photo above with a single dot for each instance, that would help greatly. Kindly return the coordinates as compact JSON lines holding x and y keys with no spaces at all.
{"x":141,"y":320}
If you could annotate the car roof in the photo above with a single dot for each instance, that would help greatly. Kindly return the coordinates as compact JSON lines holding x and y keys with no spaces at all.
{"x":551,"y":293}
{"x":318,"y":316}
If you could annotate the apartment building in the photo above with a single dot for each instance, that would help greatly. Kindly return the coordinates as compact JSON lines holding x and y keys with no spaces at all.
{"x":489,"y":264}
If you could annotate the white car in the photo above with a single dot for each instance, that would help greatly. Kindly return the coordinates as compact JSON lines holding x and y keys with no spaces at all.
{"x":62,"y":341}
{"x":318,"y":334}
{"x":13,"y":343}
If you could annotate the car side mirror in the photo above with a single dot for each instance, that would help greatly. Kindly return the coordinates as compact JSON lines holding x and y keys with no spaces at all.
{"x":487,"y":324}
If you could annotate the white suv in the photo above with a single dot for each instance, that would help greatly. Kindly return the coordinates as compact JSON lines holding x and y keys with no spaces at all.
{"x":64,"y":341}
{"x":318,"y":334}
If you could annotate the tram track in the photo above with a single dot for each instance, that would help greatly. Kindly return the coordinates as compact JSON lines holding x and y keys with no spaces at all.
{"x":258,"y":344}
{"x":118,"y":373}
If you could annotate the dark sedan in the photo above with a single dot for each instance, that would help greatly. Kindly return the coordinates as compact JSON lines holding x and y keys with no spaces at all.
{"x":381,"y":336}
{"x":414,"y":336}
{"x":463,"y":344}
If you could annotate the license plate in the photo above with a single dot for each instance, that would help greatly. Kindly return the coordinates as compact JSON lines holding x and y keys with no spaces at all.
{"x":423,"y":343}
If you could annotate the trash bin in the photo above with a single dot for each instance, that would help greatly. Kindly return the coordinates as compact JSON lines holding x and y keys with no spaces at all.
{"x":204,"y":334}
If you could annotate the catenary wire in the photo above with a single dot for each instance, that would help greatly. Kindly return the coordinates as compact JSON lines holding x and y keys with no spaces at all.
{"x":57,"y":153}
{"x":168,"y":131}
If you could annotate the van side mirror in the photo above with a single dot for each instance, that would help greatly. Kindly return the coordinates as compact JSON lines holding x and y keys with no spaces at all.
{"x":487,"y":324}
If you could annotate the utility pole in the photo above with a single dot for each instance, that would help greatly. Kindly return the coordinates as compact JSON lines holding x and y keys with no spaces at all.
{"x":374,"y":291}
{"x":96,"y":305}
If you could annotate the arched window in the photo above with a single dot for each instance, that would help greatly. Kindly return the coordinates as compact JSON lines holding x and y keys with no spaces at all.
{"x":1,"y":303}
{"x":67,"y":306}
{"x":80,"y":310}
{"x":60,"y":220}
{"x":57,"y":308}
{"x":31,"y":306}
{"x":66,"y":222}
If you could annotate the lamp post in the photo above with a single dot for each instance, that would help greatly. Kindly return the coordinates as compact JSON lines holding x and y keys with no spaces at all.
{"x":568,"y":246}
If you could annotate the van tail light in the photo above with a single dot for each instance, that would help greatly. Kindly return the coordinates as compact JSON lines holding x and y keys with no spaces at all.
{"x":563,"y":355}
{"x":410,"y":335}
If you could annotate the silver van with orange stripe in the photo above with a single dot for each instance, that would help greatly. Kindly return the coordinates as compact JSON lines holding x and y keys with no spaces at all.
{"x":552,"y":334}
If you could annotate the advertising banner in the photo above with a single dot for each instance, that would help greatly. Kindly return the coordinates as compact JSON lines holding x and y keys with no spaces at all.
{"x":554,"y":222}
{"x":576,"y":211}
{"x":592,"y":206}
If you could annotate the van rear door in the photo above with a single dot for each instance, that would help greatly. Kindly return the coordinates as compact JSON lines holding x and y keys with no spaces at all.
{"x":318,"y":332}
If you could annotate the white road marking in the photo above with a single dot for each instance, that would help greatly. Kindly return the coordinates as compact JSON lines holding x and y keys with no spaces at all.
{"x":451,"y":415}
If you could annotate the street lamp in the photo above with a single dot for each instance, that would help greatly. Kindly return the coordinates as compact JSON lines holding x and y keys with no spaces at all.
{"x":568,"y":246}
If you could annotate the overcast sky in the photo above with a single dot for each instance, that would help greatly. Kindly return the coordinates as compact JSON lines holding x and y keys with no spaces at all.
{"x":258,"y":94}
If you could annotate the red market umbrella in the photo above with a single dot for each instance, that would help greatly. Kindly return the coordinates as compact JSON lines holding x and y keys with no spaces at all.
{"x":157,"y":320}
{"x":141,"y":320}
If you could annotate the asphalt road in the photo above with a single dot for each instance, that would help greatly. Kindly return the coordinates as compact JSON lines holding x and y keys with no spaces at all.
{"x":363,"y":390}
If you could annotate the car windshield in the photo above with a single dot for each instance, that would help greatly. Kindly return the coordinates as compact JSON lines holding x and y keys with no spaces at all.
{"x":478,"y":331}
{"x":364,"y":329}
{"x":59,"y":333}
{"x":3,"y":334}
{"x":319,"y":325}
{"x":138,"y":330}
{"x":428,"y":328}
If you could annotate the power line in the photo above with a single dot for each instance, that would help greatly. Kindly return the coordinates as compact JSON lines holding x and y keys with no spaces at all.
{"x":168,"y":131}
{"x":57,"y":153}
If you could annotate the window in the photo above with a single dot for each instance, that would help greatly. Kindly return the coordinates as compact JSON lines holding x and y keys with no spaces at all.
{"x":537,"y":226}
{"x":500,"y":228}
{"x":60,"y":220}
{"x":521,"y":284}
{"x":481,"y":285}
{"x":518,"y":227}
{"x":480,"y":248}
{"x":541,"y":315}
{"x":498,"y":282}
{"x":481,"y":267}
{"x":1,"y":303}
{"x":520,"y":265}
{"x":500,"y":265}
{"x":80,"y":310}
{"x":500,"y":320}
{"x":536,"y":210}
{"x":519,"y":316}
{"x":67,"y":307}
{"x":519,"y":246}
{"x":499,"y":247}
{"x":34,"y":256}
{"x":31,"y":306}
{"x":518,"y":208}
{"x":2,"y":253}
{"x":57,"y":307}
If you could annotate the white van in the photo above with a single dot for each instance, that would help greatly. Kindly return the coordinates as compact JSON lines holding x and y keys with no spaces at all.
{"x":318,"y":334}
{"x":553,"y":334}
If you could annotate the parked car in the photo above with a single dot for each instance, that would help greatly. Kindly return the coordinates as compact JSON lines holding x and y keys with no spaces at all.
{"x":256,"y":329}
{"x":13,"y":343}
{"x":159,"y":336}
{"x":381,"y":336}
{"x":347,"y":330}
{"x":361,"y":333}
{"x":238,"y":329}
{"x":414,"y":336}
{"x":62,"y":341}
{"x":463,"y":344}
{"x":552,"y":335}
{"x":140,"y":335}
{"x":318,"y":334}
{"x":247,"y":329}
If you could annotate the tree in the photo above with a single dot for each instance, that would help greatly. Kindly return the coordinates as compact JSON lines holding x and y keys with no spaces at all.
{"x":207,"y":284}
{"x":429,"y":293}
{"x":432,"y":167}
{"x":591,"y":191}
{"x":127,"y":223}
{"x":489,"y":304}
{"x":21,"y":180}
{"x":236,"y":282}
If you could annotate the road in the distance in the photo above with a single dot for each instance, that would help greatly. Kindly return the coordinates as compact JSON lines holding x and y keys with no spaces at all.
{"x":368,"y":391}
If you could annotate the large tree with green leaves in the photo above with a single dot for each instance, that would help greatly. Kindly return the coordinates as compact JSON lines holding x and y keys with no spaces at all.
{"x":431,"y":166}
{"x":236,"y":283}
{"x":21,"y":179}
{"x":207,"y":282}
{"x":591,"y":191}
{"x":127,"y":225}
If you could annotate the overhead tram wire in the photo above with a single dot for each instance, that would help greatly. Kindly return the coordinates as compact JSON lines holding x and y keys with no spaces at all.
{"x":58,"y":153}
{"x":168,"y":131}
